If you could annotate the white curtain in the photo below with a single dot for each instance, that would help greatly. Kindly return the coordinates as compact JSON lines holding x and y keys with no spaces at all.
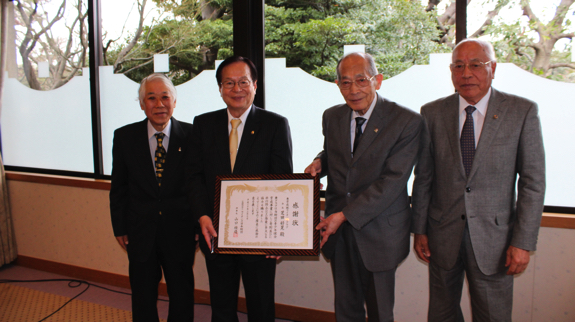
{"x":8,"y":251}
{"x":7,"y":242}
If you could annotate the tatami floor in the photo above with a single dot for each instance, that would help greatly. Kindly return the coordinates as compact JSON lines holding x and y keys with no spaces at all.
{"x":34,"y":301}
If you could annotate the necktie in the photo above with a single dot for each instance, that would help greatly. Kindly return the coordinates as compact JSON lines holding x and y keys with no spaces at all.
{"x":467,"y":140}
{"x":234,"y":141}
{"x":358,"y":132}
{"x":160,"y":157}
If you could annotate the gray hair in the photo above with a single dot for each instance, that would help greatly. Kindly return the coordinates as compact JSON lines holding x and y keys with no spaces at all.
{"x":486,"y":45}
{"x":154,"y":77}
{"x":371,"y":68}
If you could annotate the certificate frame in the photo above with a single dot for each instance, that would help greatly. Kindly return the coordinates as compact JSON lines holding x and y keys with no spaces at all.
{"x":239,"y":196}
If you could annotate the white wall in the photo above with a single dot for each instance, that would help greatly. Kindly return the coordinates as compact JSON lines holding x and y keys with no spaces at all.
{"x":72,"y":226}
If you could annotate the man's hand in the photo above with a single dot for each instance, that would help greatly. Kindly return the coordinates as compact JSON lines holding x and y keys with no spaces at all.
{"x":314,"y":168}
{"x":517,"y":260}
{"x":329,"y":225}
{"x":208,"y":230}
{"x":123,"y":241}
{"x":421,"y":247}
{"x":277,"y":258}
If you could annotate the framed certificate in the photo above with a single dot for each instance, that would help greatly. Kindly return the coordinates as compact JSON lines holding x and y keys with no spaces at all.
{"x":267,"y":215}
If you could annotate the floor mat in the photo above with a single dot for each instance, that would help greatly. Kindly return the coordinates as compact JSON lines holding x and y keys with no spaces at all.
{"x":27,"y":305}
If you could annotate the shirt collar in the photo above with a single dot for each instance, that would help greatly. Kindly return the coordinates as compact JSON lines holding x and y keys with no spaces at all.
{"x":243,"y":117}
{"x":481,"y":106}
{"x":152,"y":131}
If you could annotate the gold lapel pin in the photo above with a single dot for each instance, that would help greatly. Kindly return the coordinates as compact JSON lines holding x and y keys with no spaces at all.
{"x":180,"y":149}
{"x":495,"y":117}
{"x":253,"y":132}
{"x":375,"y":130}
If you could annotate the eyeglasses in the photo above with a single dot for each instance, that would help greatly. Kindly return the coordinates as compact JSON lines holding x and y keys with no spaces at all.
{"x":359,"y":82}
{"x":473,"y":66}
{"x":229,"y":84}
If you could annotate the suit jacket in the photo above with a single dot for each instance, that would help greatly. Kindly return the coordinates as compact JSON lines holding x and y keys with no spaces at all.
{"x":370,"y":188}
{"x":265,"y":148}
{"x":444,"y":199}
{"x":136,"y":200}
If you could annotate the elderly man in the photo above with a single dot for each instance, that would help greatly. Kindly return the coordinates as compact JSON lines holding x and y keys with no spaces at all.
{"x":370,"y":147}
{"x":150,"y":203}
{"x":240,"y":139}
{"x":467,"y":219}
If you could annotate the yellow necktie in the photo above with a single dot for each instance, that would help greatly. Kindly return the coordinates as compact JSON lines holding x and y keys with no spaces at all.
{"x":234,"y":141}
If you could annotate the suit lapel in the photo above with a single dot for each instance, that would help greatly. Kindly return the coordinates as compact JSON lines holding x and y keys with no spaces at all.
{"x":375,"y":125}
{"x":343,"y":135}
{"x":491,"y":125}
{"x":451,"y":116}
{"x":174,"y":154}
{"x":141,"y":152}
{"x":251,"y":130}
{"x":221,"y":139}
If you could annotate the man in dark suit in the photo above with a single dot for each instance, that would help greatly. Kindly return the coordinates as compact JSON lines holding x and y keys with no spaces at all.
{"x":370,"y":147}
{"x":467,"y":219}
{"x":240,"y":139}
{"x":150,"y":203}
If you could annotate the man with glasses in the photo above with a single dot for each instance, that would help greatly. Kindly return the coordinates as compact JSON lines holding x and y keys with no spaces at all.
{"x":467,"y":218}
{"x":239,"y":139}
{"x":370,"y":147}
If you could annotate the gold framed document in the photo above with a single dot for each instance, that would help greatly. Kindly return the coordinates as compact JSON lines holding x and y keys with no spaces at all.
{"x":267,"y":215}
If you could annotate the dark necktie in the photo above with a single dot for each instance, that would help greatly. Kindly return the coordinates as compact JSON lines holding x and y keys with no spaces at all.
{"x":358,"y":132}
{"x":160,"y":157}
{"x":467,"y":140}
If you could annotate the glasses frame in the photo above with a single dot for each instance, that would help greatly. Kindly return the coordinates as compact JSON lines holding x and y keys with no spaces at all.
{"x":452,"y":66}
{"x":340,"y":84}
{"x":236,"y":83}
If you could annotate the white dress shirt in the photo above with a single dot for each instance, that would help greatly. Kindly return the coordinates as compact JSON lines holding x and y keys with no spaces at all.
{"x":366,"y":116}
{"x":240,"y":128}
{"x":478,"y":114}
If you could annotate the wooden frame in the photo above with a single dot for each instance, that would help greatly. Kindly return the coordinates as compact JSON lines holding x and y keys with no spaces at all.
{"x":267,"y":215}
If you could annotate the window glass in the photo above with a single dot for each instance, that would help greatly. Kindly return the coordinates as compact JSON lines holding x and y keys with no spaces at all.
{"x":534,"y":35}
{"x":46,"y":121}
{"x":193,"y":35}
{"x":311,"y":36}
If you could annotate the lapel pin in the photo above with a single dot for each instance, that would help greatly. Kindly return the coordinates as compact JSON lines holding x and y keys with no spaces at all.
{"x":495,"y":117}
{"x":180,"y":149}
{"x":375,"y":130}
{"x":253,"y":132}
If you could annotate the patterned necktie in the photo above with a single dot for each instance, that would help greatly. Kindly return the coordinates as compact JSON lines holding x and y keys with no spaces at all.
{"x":160,"y":157}
{"x":467,"y":140}
{"x":234,"y":141}
{"x":358,"y":132}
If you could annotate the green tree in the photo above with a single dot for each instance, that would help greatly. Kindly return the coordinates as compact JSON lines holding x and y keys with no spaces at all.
{"x":398,"y":33}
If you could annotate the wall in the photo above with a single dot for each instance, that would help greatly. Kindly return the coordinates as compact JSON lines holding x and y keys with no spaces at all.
{"x":72,"y":225}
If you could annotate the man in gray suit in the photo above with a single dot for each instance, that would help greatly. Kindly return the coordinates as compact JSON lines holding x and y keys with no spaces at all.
{"x":466,"y":216}
{"x":370,"y":147}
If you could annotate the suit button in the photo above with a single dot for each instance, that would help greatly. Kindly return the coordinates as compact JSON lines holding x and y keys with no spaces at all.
{"x":467,"y":189}
{"x":348,"y":194}
{"x":160,"y":213}
{"x":462,"y":217}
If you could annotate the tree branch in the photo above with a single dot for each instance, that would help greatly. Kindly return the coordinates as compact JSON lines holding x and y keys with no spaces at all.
{"x":568,"y":65}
